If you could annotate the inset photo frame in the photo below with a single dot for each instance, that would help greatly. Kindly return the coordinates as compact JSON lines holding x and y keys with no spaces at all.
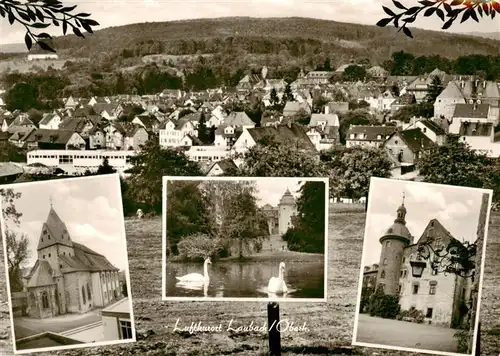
{"x":422,"y":267}
{"x":245,"y":239}
{"x":66,"y":262}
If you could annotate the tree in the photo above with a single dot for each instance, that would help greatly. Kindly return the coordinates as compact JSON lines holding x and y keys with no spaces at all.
{"x":454,"y":163}
{"x":350,"y":170}
{"x":270,"y":158}
{"x":452,"y":10}
{"x":354,"y":117}
{"x":22,"y":96}
{"x":274,"y":99}
{"x":187,"y":213}
{"x":41,"y":14}
{"x":308,"y":232}
{"x":105,"y":167}
{"x":149,"y":166}
{"x":435,"y":88}
{"x":354,"y":73}
{"x":203,"y":133}
{"x":17,"y":246}
{"x":11,"y":153}
{"x":288,"y":95}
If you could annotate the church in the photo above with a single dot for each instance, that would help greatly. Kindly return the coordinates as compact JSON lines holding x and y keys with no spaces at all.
{"x":68,"y":277}
{"x":279,"y":218}
{"x":442,"y":298}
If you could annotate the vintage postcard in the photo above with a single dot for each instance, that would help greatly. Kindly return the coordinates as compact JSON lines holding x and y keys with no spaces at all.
{"x":67,"y":265}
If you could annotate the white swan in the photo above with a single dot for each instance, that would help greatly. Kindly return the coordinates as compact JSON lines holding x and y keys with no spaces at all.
{"x":277,"y":284}
{"x":196,"y":277}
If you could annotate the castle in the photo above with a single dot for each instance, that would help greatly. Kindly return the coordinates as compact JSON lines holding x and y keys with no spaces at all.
{"x":68,"y":277}
{"x":442,"y":298}
{"x":279,"y":218}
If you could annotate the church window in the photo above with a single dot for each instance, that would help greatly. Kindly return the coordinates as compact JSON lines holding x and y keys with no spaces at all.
{"x":432,"y":287}
{"x":415,"y":288}
{"x":382,"y":275}
{"x":385,"y":262}
{"x":45,"y":232}
{"x":64,"y":253}
{"x":88,"y":292}
{"x":60,"y":266}
{"x":429,"y":313}
{"x":404,"y":259}
{"x":83,"y":295}
{"x":45,"y":300}
{"x":43,"y":256}
{"x":401,"y":274}
{"x":400,"y":289}
{"x":125,"y":329}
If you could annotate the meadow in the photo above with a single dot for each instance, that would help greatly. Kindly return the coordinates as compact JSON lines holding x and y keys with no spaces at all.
{"x":329,"y":325}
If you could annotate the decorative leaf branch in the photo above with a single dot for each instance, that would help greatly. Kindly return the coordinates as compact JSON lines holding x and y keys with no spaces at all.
{"x":447,"y":10}
{"x":40,"y":14}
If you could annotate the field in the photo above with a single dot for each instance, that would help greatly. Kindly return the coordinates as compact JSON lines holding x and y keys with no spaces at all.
{"x":330,"y":324}
{"x":24,"y":66}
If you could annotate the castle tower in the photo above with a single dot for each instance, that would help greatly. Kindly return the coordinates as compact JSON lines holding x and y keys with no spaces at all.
{"x":394,"y":241}
{"x":286,"y":209}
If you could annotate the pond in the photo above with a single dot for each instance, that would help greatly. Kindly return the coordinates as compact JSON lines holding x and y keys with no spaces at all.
{"x":234,"y":279}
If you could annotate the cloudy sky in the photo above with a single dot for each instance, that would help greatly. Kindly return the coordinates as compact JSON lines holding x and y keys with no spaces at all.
{"x":270,"y":190}
{"x":121,"y":12}
{"x":90,"y":208}
{"x":457,"y":209}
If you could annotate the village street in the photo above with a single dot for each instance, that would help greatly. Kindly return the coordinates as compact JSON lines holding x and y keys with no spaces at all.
{"x":24,"y":327}
{"x":373,"y":330}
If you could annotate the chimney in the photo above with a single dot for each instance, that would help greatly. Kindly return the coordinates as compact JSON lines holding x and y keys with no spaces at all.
{"x":327,"y":109}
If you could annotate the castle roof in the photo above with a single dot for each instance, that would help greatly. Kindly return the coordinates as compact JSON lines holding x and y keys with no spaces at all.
{"x":287,"y":198}
{"x":54,"y":231}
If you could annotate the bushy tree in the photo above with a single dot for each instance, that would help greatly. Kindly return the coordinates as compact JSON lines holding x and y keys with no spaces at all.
{"x":105,"y":167}
{"x":354,"y":73}
{"x":149,"y":167}
{"x":288,"y":94}
{"x":350,"y":169}
{"x":11,"y":153}
{"x":198,"y":247}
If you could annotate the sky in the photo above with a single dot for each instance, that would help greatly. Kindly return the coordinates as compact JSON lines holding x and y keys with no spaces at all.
{"x":90,"y":207}
{"x":270,"y":190}
{"x":456,"y":208}
{"x":121,"y":12}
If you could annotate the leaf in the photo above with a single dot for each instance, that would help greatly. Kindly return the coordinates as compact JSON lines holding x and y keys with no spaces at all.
{"x":28,"y":41}
{"x":496,"y":6}
{"x":429,"y":12}
{"x":11,"y":18}
{"x":24,"y":16}
{"x":447,"y":7}
{"x":39,"y":15}
{"x":83,"y":14}
{"x":407,"y":32}
{"x":474,"y":15}
{"x":45,"y":46}
{"x":466,"y":16}
{"x":448,"y":24}
{"x":428,"y":3}
{"x":40,"y":25}
{"x":486,"y":9}
{"x":68,"y":9}
{"x":388,"y":11}
{"x":65,"y":27}
{"x":31,"y":14}
{"x":409,"y":19}
{"x":55,"y":22}
{"x":77,"y":32}
{"x":87,"y":27}
{"x":399,"y":5}
{"x":43,"y":35}
{"x":456,"y":2}
{"x":412,"y":10}
{"x":92,"y":22}
{"x":2,"y":12}
{"x":440,"y":14}
{"x":384,"y":22}
{"x":480,"y":11}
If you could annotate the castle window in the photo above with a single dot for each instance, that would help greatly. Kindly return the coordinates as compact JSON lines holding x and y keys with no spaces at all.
{"x":49,"y":255}
{"x":432,"y":287}
{"x":429,"y":313}
{"x":382,"y":275}
{"x":43,"y":256}
{"x":400,"y":289}
{"x":385,"y":262}
{"x":387,"y":244}
{"x":405,"y":273}
{"x":404,"y":259}
{"x":381,"y":287}
{"x":415,"y":288}
{"x":434,"y":271}
{"x":64,"y":253}
{"x":83,"y":295}
{"x":60,"y":266}
{"x":45,"y":300}
{"x":49,"y":237}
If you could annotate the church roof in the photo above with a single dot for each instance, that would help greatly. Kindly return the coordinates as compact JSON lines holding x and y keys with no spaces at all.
{"x":54,"y":231}
{"x":287,"y":198}
{"x":41,"y":275}
{"x":85,"y":259}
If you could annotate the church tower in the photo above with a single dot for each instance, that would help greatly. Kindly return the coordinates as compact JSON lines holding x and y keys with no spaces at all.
{"x":286,"y":209}
{"x":394,"y":242}
{"x":54,"y":241}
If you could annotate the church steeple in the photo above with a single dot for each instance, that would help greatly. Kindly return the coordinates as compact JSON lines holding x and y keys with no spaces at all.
{"x":401,"y":212}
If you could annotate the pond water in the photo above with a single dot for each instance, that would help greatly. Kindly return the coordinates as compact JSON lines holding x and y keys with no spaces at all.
{"x":236,"y":279}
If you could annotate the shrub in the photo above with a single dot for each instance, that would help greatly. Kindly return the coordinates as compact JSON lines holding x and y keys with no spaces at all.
{"x":198,"y":247}
{"x":412,"y":315}
{"x":383,"y":305}
{"x":462,"y":337}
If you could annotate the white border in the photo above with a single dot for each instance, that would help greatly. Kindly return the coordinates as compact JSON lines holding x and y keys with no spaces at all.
{"x":19,"y":186}
{"x":373,"y":180}
{"x":223,"y":299}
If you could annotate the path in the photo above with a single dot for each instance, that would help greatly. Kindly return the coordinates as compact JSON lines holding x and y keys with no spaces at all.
{"x":405,"y":334}
{"x":24,"y":327}
{"x":275,"y":243}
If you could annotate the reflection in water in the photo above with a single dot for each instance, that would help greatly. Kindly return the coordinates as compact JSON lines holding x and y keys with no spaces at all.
{"x":247,"y":280}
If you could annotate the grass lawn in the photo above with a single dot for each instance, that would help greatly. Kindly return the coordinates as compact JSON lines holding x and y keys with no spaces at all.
{"x":330,"y":325}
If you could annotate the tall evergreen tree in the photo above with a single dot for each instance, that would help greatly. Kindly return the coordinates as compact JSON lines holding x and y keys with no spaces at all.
{"x":288,"y":95}
{"x":203,"y":133}
{"x":274,"y":97}
{"x":105,"y":167}
{"x":435,"y":88}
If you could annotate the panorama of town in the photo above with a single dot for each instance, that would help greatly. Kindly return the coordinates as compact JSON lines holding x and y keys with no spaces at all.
{"x":321,"y":111}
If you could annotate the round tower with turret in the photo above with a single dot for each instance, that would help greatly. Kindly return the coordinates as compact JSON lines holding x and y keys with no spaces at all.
{"x":286,"y":209}
{"x":394,"y":242}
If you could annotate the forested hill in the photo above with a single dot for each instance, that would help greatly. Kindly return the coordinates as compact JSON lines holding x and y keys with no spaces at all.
{"x":298,"y":36}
